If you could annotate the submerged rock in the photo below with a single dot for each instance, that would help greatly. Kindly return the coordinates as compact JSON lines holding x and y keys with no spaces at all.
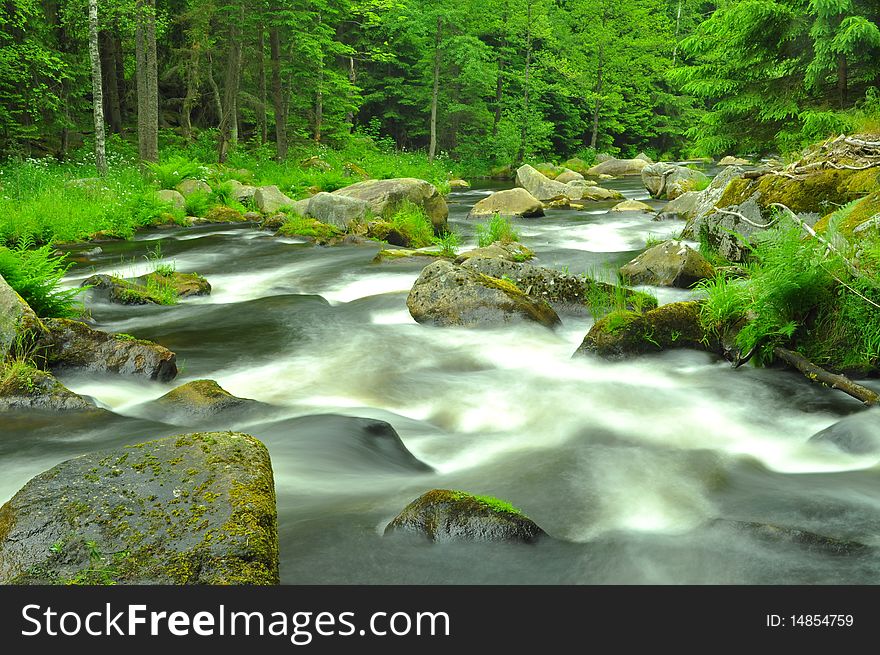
{"x":25,"y":387}
{"x":449,"y":295}
{"x":384,"y":196}
{"x":20,"y":327}
{"x":624,"y":334}
{"x":858,"y":434}
{"x":189,"y":509}
{"x":771,"y":533}
{"x":509,"y":203}
{"x":74,"y":345}
{"x":442,"y":515}
{"x":669,"y":264}
{"x":199,"y":401}
{"x":147,"y":289}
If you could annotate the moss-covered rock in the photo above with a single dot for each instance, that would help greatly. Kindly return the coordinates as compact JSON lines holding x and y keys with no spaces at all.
{"x":24,"y":387}
{"x":200,"y":402}
{"x":172,"y":197}
{"x":512,"y":251}
{"x":190,"y":509}
{"x":730,"y":160}
{"x":384,"y":197}
{"x":223,"y":214}
{"x":74,"y":345}
{"x":549,"y":170}
{"x":633,"y":206}
{"x":508,"y":203}
{"x":663,"y":180}
{"x":157,"y":288}
{"x":449,"y":295}
{"x":853,"y":223}
{"x":184,"y":284}
{"x":20,"y":327}
{"x":190,"y":186}
{"x":311,"y":229}
{"x":624,"y":334}
{"x":577,"y":165}
{"x":669,"y":264}
{"x":459,"y":185}
{"x":443,"y":515}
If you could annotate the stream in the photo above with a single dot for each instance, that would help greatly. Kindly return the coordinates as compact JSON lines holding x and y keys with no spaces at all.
{"x":638,"y":469}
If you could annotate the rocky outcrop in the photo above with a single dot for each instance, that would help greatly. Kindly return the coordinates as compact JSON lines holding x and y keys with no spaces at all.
{"x":269,"y":199}
{"x":190,"y":186}
{"x":221,"y":214}
{"x":669,"y":181}
{"x":25,"y":387}
{"x":669,"y":264}
{"x":624,"y":334}
{"x":510,"y":203}
{"x":633,"y":206}
{"x":337,"y":210}
{"x":385,"y":196}
{"x":511,"y":251}
{"x":617,"y":167}
{"x":449,"y":295}
{"x":857,"y":434}
{"x":696,"y":205}
{"x":74,"y":345}
{"x":19,"y":325}
{"x":173,"y":198}
{"x":442,"y":515}
{"x":190,"y":509}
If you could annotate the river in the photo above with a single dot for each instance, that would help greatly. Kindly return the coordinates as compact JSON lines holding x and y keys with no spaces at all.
{"x":639,"y":469}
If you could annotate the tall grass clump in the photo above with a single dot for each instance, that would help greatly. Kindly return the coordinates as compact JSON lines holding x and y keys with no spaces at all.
{"x":496,"y":228}
{"x":411,"y":221}
{"x":35,"y":273}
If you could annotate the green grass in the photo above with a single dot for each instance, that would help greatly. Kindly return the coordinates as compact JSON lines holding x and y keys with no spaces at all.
{"x":162,"y":289}
{"x":495,"y":229}
{"x":198,"y":203}
{"x":413,"y":223}
{"x":35,"y":273}
{"x":449,"y":243}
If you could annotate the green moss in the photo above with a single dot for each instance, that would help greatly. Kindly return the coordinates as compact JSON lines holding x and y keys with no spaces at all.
{"x":297,"y":226}
{"x":489,"y":502}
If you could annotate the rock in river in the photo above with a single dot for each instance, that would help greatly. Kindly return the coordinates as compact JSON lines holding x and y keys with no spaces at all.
{"x":669,"y":181}
{"x":450,"y":295}
{"x":669,"y":264}
{"x":25,"y":387}
{"x":384,"y":196}
{"x":19,"y":325}
{"x":199,"y":402}
{"x":858,"y":434}
{"x":508,"y":203}
{"x":189,"y":509}
{"x":442,"y":515}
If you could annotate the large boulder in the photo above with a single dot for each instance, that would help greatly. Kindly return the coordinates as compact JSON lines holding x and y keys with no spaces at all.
{"x":644,"y":157}
{"x":663,"y":180}
{"x":633,"y":206}
{"x":568,"y":175}
{"x":542,"y":187}
{"x":858,"y":434}
{"x":449,"y":295}
{"x":74,"y":345}
{"x":683,"y":207}
{"x":333,"y":209}
{"x":19,"y":325}
{"x":577,"y":165}
{"x":242,"y":192}
{"x":617,"y":167}
{"x":25,"y":387}
{"x":442,"y":515}
{"x":560,"y":289}
{"x":696,"y":205}
{"x":733,"y":161}
{"x":384,"y":196}
{"x":512,"y":202}
{"x":624,"y":334}
{"x":188,"y":509}
{"x":269,"y":199}
{"x":669,"y":264}
{"x":190,"y":186}
{"x":172,"y":197}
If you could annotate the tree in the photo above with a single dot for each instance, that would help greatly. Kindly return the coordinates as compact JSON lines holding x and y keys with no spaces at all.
{"x":147,"y":81}
{"x":97,"y":92}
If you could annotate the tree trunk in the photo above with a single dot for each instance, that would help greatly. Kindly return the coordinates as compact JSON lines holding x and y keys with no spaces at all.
{"x":261,"y":72}
{"x":595,"y":132}
{"x":97,"y":91}
{"x":352,"y":79}
{"x":147,"y":81}
{"x":319,"y":103}
{"x":524,"y":132}
{"x":109,"y":76}
{"x":499,"y":91}
{"x":278,"y":95}
{"x":820,"y":375}
{"x":120,"y":79}
{"x":842,"y":82}
{"x":677,"y":27}
{"x":432,"y":146}
{"x":215,"y":91}
{"x":191,"y":75}
{"x":228,"y":120}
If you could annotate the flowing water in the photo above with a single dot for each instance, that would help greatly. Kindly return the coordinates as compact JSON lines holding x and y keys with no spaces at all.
{"x":628,"y":465}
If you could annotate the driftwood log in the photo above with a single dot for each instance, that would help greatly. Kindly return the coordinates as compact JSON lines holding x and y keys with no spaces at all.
{"x":820,"y":375}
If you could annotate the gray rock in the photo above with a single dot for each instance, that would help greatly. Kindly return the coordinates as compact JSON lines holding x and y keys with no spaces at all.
{"x":190,"y":186}
{"x":25,"y":387}
{"x":442,"y":515}
{"x":733,"y":161}
{"x":669,"y":264}
{"x":336,"y":210}
{"x":633,"y":206}
{"x":644,"y":157}
{"x":384,"y":196}
{"x":542,"y":187}
{"x":683,"y":207}
{"x":242,"y":192}
{"x":508,"y":203}
{"x":190,"y":509}
{"x":696,"y":208}
{"x":616,"y":167}
{"x":600,"y":193}
{"x":459,"y":185}
{"x":199,"y":402}
{"x":669,"y":181}
{"x":269,"y":199}
{"x":449,"y":295}
{"x":568,"y":175}
{"x":74,"y":345}
{"x":858,"y":434}
{"x":172,"y":197}
{"x":512,"y":251}
{"x":19,"y":325}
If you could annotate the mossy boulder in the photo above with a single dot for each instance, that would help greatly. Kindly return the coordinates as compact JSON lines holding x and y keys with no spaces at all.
{"x":459,"y":185}
{"x":74,"y":345}
{"x":190,"y":186}
{"x":669,"y":181}
{"x":172,"y":197}
{"x":598,"y":193}
{"x":20,"y":327}
{"x":384,"y":197}
{"x":562,"y":290}
{"x":269,"y":199}
{"x":449,"y":295}
{"x":146,"y":290}
{"x":508,"y":203}
{"x":549,"y":170}
{"x":858,"y":434}
{"x":222,"y":214}
{"x":185,"y":284}
{"x":311,"y":229}
{"x":199,"y":402}
{"x":25,"y":387}
{"x":577,"y":165}
{"x":443,"y":515}
{"x":189,"y":509}
{"x":633,"y":206}
{"x":623,"y":334}
{"x":856,"y":221}
{"x":512,"y":251}
{"x":337,"y":210}
{"x":669,"y":264}
{"x":568,"y":175}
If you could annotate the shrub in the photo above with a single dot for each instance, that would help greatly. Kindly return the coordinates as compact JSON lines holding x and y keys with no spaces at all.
{"x":411,"y":221}
{"x":174,"y":170}
{"x":449,"y":243}
{"x":495,"y":229}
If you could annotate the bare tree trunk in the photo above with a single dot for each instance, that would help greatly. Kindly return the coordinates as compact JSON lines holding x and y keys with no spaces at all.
{"x":147,"y":81}
{"x":278,"y":95}
{"x":120,"y":79}
{"x":261,"y":65}
{"x":595,"y":132}
{"x":432,"y":146}
{"x":499,"y":94}
{"x":352,"y":79}
{"x":816,"y":374}
{"x":110,"y":88}
{"x":319,"y":103}
{"x":97,"y":91}
{"x":215,"y":91}
{"x":228,"y":122}
{"x":677,"y":27}
{"x":524,"y":132}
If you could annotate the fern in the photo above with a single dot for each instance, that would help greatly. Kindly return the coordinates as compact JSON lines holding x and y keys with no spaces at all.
{"x":35,"y":273}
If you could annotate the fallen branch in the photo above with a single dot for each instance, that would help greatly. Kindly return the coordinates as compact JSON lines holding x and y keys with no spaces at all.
{"x":730,"y":212}
{"x":817,"y":374}
{"x":862,"y":144}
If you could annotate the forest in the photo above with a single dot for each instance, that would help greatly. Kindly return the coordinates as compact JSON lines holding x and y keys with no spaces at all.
{"x":395,"y":292}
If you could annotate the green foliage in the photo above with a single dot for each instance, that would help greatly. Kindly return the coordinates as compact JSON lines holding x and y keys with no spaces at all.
{"x":198,"y":203}
{"x":411,"y":221}
{"x":174,"y":170}
{"x":449,"y":243}
{"x":35,"y":273}
{"x":604,"y":299}
{"x":496,"y":228}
